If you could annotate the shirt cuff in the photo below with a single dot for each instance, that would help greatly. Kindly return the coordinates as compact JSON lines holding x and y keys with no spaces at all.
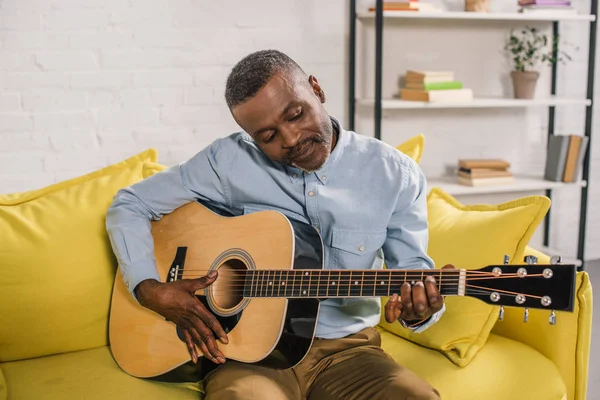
{"x":432,"y":320}
{"x":136,"y":273}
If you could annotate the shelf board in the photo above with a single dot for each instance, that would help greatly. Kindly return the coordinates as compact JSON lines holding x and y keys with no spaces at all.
{"x":521,"y":184}
{"x":482,"y":102}
{"x":553,"y":252}
{"x":493,"y":16}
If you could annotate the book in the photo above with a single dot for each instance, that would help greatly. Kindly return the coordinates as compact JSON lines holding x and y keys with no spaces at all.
{"x":545,"y":2}
{"x":450,"y":95}
{"x":556,"y":157}
{"x":444,"y":85}
{"x":483,"y":173}
{"x":488,"y":163}
{"x":581,"y":156}
{"x":429,"y":76}
{"x":571,"y":160}
{"x":504,"y":180}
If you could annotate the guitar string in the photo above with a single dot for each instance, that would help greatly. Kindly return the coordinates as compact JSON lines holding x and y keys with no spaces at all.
{"x":371,"y":280}
{"x":450,"y":286}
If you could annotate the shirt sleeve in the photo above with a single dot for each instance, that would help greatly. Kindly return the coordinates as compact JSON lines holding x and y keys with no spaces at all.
{"x":128,"y":219}
{"x":408,"y":236}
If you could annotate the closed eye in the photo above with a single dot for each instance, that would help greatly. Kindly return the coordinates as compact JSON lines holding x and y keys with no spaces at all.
{"x":297,"y":116}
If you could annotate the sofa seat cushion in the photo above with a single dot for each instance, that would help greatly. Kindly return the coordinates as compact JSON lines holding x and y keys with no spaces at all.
{"x":87,"y":374}
{"x":502,"y":369}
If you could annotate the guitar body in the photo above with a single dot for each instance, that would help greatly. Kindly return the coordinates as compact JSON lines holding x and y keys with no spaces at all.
{"x":188,"y":243}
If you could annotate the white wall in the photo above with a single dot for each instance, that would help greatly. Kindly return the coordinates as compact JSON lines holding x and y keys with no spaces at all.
{"x":88,"y":82}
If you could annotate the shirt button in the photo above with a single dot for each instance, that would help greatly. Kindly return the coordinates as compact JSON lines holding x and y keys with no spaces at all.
{"x":324,"y":177}
{"x":361,"y":248}
{"x":294,"y":175}
{"x":311,"y":193}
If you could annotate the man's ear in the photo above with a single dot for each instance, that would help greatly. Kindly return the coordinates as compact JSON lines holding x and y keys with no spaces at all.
{"x":316,"y":88}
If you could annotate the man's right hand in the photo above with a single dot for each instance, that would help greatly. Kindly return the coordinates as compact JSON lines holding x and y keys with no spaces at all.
{"x":177,"y":303}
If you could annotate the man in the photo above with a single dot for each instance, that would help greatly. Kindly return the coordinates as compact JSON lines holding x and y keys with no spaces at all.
{"x":362,"y":195}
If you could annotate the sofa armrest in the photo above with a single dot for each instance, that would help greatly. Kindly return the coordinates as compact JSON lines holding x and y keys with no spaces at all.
{"x":566,"y":344}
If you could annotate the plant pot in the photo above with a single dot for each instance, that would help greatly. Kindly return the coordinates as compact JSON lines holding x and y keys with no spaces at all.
{"x":524,"y":83}
{"x":477,"y":5}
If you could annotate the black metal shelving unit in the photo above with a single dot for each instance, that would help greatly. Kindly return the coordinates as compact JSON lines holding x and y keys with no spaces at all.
{"x":379,"y":25}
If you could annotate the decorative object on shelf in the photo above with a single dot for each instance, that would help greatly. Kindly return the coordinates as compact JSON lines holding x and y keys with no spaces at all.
{"x":432,"y":86}
{"x":477,"y":5}
{"x":546,"y":7}
{"x":564,"y":159}
{"x":484,"y":172}
{"x":528,"y":50}
{"x":409,"y":5}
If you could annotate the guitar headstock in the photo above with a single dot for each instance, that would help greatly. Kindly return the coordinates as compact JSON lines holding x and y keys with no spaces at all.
{"x":529,"y":285}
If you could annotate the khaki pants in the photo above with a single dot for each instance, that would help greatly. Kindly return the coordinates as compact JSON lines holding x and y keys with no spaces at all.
{"x":350,"y":368}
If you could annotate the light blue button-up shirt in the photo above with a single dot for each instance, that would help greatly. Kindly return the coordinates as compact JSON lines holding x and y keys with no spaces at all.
{"x":368,"y":202}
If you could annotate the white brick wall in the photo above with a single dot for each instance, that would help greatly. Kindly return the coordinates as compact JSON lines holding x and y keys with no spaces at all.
{"x":89,"y":82}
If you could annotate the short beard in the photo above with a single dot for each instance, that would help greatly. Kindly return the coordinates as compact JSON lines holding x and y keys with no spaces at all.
{"x":326,"y":140}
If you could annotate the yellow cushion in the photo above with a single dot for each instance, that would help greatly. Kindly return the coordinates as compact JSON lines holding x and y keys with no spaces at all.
{"x":413,"y":147}
{"x":3,"y":389}
{"x":504,"y":369}
{"x":86,"y":374}
{"x":471,"y":237}
{"x":57,"y":264}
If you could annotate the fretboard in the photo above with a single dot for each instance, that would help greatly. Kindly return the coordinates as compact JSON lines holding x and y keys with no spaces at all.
{"x":342,"y":283}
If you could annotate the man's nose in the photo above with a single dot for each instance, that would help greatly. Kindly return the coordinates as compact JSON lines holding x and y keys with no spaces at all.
{"x":290,"y":137}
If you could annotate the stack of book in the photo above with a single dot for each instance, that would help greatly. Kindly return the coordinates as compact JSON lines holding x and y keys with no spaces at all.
{"x":433,"y":86}
{"x":565,"y":157}
{"x":484,"y":172}
{"x":546,"y":6}
{"x":407,"y":5}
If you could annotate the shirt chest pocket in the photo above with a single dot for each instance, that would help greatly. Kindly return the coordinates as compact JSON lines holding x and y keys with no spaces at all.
{"x":355,"y":249}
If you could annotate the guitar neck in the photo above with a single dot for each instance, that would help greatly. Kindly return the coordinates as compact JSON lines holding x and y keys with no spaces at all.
{"x":345,"y":283}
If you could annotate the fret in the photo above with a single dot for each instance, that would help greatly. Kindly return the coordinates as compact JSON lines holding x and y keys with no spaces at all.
{"x":355,"y":286}
{"x":296,"y":285}
{"x":265,"y":286}
{"x":286,"y":283}
{"x":313,"y":287}
{"x":451,"y":286}
{"x":259,"y":283}
{"x":248,"y":284}
{"x":369,"y":283}
{"x":275,"y":288}
{"x":344,"y":287}
{"x":348,"y":282}
{"x":333,"y":283}
{"x":305,"y":284}
{"x":440,"y":282}
{"x":252,"y":285}
{"x":382,"y":284}
{"x":322,"y":287}
{"x":389,"y":291}
{"x":362,"y":282}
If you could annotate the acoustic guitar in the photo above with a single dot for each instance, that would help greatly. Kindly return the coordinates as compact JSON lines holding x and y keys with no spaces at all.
{"x":270,"y":284}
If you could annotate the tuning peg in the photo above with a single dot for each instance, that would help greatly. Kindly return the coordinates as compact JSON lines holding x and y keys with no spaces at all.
{"x":531,"y":259}
{"x":506,"y":259}
{"x":526,"y":315}
{"x":555,"y":260}
{"x":501,"y":314}
{"x":552,"y":318}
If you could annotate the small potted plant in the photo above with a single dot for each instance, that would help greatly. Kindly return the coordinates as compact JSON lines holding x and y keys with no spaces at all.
{"x":529,"y":50}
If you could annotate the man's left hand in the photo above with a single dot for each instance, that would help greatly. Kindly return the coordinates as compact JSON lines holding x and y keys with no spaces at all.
{"x":415,"y":303}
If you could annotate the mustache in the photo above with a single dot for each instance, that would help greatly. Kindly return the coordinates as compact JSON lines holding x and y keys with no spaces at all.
{"x":299,"y":148}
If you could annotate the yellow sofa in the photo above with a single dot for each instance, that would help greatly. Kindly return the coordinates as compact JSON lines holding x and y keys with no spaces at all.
{"x":531,"y":361}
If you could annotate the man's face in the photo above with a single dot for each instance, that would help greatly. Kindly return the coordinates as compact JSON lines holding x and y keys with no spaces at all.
{"x":288,"y":122}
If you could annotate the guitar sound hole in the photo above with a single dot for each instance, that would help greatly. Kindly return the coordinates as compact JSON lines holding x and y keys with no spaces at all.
{"x":228,"y":290}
